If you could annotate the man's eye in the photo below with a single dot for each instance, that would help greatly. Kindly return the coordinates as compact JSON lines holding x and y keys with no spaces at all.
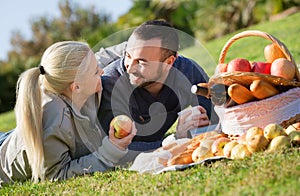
{"x":127,"y":55}
{"x":143,"y":63}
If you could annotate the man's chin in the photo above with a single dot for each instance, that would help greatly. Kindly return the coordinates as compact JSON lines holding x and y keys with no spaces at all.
{"x":143,"y":85}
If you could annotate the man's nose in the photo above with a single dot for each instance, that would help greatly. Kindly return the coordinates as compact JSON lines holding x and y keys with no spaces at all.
{"x":131,"y":66}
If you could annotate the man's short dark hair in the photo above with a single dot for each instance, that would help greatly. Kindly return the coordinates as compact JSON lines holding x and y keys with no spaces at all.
{"x":162,"y":30}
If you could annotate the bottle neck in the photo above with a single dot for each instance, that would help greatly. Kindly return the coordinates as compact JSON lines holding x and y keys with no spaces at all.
{"x":217,"y":93}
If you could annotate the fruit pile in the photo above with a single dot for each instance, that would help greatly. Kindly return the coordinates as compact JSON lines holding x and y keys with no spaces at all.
{"x":276,"y":65}
{"x":209,"y":144}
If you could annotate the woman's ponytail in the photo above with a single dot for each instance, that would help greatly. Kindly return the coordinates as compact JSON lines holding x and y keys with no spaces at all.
{"x":29,"y":113}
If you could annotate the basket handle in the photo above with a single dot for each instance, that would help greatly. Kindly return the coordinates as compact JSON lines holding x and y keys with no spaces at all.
{"x":265,"y":35}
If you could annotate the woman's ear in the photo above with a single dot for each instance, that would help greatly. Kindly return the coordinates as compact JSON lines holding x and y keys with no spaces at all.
{"x":74,"y":87}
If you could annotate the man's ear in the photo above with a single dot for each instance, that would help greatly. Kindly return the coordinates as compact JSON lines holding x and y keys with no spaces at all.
{"x":170,"y":61}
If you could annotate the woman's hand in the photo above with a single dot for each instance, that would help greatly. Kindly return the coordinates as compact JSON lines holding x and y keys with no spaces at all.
{"x":123,"y":142}
{"x":185,"y":123}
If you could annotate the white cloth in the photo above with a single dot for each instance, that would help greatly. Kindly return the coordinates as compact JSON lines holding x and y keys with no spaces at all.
{"x":277,"y":109}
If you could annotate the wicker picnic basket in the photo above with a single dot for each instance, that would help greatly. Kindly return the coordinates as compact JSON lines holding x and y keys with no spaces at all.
{"x":283,"y":108}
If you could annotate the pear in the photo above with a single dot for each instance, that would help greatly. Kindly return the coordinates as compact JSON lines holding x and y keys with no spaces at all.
{"x":278,"y":143}
{"x":273,"y":130}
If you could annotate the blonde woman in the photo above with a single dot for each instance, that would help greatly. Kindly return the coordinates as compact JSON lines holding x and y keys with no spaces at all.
{"x":58,"y":135}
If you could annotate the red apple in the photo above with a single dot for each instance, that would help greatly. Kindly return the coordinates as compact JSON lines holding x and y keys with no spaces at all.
{"x":239,"y":64}
{"x":122,"y":125}
{"x":283,"y":68}
{"x":261,"y":67}
{"x":218,"y":146}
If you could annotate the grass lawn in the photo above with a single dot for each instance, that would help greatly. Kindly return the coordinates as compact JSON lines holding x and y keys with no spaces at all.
{"x":260,"y":174}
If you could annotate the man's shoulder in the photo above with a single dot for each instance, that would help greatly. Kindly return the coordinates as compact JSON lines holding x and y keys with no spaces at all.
{"x":190,"y":68}
{"x":106,"y":56}
{"x":114,"y":69}
{"x":184,"y":63}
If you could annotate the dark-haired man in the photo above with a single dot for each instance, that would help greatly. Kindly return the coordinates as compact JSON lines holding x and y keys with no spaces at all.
{"x":151,"y":83}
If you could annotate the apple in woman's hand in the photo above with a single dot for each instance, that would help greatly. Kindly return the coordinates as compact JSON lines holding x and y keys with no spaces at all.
{"x":122,"y":125}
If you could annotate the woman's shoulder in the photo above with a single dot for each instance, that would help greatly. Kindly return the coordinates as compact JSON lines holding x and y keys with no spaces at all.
{"x":54,"y":110}
{"x":53,"y":104}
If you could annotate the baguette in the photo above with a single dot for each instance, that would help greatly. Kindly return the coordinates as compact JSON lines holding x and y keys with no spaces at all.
{"x":261,"y":89}
{"x":240,"y":94}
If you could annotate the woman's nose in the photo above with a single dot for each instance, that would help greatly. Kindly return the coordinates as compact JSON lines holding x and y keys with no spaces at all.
{"x":101,"y":71}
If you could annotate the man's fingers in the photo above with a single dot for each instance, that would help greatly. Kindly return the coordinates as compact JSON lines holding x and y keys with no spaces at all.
{"x":202,"y":109}
{"x":184,"y":116}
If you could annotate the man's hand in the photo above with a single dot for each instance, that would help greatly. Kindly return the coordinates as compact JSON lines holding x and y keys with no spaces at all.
{"x":185,"y":123}
{"x":124,"y":142}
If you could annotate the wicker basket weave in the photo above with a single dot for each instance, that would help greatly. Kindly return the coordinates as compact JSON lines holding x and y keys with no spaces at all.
{"x":246,"y":78}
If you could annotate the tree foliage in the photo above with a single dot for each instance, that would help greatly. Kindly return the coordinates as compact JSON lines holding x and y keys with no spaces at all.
{"x":74,"y":23}
{"x":202,"y":19}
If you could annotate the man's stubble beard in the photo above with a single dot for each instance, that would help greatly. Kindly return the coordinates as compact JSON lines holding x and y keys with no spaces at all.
{"x":157,"y":79}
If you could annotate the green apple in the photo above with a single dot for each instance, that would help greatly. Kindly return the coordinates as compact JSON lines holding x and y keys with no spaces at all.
{"x":122,"y":125}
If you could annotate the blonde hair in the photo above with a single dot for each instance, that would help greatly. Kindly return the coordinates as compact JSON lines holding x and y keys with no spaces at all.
{"x":60,"y":62}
